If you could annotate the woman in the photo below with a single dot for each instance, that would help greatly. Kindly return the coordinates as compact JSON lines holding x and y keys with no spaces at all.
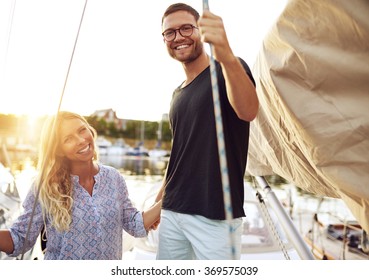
{"x":83,"y":205}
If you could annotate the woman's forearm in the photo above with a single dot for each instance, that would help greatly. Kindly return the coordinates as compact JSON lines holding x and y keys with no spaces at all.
{"x":152,"y":215}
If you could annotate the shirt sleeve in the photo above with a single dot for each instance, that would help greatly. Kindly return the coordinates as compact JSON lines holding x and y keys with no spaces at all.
{"x":132,"y":218}
{"x":18,"y":230}
{"x":247,"y":69}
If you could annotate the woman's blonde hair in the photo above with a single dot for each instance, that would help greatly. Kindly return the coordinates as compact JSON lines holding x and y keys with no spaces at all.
{"x":54,"y":177}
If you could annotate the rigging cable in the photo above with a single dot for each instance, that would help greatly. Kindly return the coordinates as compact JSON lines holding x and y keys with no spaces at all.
{"x":10,"y":29}
{"x":221,"y":146}
{"x":271,"y":225}
{"x":53,"y":130}
{"x":269,"y":221}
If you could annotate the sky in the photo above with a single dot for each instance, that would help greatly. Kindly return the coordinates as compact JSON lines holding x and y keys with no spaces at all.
{"x":120,"y":60}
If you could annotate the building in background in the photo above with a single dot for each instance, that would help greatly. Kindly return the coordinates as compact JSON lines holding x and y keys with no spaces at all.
{"x":110,"y":116}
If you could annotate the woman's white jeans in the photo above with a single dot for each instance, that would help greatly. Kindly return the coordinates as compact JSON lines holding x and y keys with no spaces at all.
{"x":187,"y":237}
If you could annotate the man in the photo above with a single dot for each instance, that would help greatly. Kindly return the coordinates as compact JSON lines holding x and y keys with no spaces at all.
{"x":193,"y":218}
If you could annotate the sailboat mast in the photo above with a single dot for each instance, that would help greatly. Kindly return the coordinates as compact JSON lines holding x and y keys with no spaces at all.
{"x":160,"y":132}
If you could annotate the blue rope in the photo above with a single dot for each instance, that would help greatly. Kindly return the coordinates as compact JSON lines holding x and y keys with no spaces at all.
{"x":221,"y":146}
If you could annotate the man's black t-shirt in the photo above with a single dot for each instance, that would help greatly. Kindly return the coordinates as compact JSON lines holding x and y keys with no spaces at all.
{"x":193,"y":181}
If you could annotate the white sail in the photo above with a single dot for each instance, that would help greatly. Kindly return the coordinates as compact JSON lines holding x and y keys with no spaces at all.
{"x":312,"y":79}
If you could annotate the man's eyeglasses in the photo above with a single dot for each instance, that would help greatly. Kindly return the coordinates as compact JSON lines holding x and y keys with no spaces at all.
{"x":185,"y":30}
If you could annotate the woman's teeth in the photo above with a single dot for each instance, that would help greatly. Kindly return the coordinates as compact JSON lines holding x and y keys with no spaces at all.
{"x":84,"y":150}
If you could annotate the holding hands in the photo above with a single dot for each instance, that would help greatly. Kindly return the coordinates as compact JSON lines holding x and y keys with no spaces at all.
{"x":151,"y":217}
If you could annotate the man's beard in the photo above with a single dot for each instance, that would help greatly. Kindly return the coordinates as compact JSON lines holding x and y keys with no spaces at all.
{"x":192,"y":57}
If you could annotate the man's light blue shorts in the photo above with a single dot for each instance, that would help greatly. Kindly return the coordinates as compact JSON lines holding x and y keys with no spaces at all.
{"x":187,"y":237}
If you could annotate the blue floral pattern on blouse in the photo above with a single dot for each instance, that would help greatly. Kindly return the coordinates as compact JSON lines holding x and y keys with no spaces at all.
{"x":97,"y":226}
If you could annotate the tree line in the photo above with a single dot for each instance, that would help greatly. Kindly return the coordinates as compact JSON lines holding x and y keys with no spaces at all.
{"x":13,"y":124}
{"x":133,"y":129}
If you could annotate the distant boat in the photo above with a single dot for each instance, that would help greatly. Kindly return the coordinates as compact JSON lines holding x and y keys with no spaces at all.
{"x":139,"y":150}
{"x":118,"y":148}
{"x":338,"y":241}
{"x":103,"y":144}
{"x":353,"y":234}
{"x":159,"y":153}
{"x":331,"y":231}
